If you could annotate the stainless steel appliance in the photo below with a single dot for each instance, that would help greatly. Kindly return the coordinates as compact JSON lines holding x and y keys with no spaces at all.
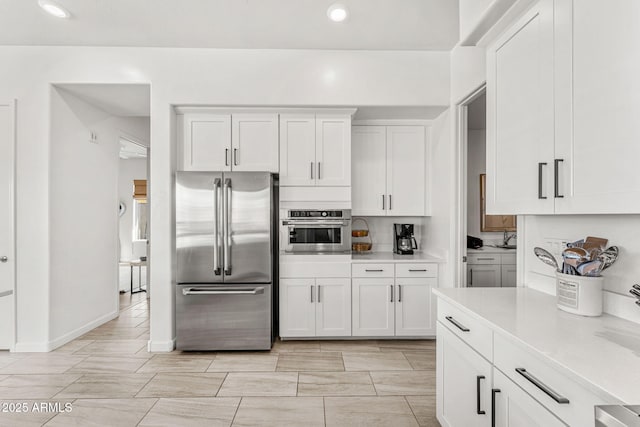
{"x":316,"y":231}
{"x":225,"y":260}
{"x":404,"y":243}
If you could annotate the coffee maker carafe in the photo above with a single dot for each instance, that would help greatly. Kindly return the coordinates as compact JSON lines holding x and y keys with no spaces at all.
{"x":404,"y":243}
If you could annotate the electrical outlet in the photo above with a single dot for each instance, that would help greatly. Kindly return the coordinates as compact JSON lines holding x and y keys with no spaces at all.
{"x":93,"y":137}
{"x":556,"y":245}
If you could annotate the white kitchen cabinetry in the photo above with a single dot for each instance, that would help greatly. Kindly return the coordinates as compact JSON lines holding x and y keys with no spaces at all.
{"x":315,"y":150}
{"x":315,"y":307}
{"x":389,"y":170}
{"x":509,"y":277}
{"x":552,"y":120}
{"x":513,"y":407}
{"x":225,"y":142}
{"x":390,"y":301}
{"x":491,"y":270}
{"x":483,"y":275}
{"x":464,"y":381}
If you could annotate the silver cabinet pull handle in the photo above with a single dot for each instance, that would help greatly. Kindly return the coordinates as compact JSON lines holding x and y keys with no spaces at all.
{"x":383,"y":202}
{"x":418,"y":270}
{"x":391,"y":287}
{"x":556,"y":173}
{"x":373,"y":271}
{"x":399,"y":293}
{"x":216,"y":230}
{"x":319,"y":286}
{"x":196,"y":291}
{"x":540,"y":165}
{"x":235,"y":157}
{"x":311,"y":168}
{"x":319,"y":171}
{"x":312,"y":292}
{"x":4,"y":259}
{"x":227,"y":226}
{"x":485,"y":259}
{"x":457,"y":324}
{"x":543,"y":387}
{"x":471,"y":277}
{"x":390,"y":206}
{"x":226,"y":157}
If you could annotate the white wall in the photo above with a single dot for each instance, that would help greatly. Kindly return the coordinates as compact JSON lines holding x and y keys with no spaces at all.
{"x":381,"y":230}
{"x":468,"y":71}
{"x":470,"y":13}
{"x":83,"y":188}
{"x":180,"y":76}
{"x":128,"y":170}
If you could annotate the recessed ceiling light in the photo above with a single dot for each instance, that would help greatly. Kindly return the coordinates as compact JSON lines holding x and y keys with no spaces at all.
{"x":337,"y":12}
{"x":53,"y":8}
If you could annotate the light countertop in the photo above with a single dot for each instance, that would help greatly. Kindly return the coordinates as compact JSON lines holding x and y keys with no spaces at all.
{"x":490,"y":250}
{"x":601,"y":352}
{"x":372,"y":257}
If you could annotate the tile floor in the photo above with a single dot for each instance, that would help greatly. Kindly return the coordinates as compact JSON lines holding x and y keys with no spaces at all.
{"x":109,"y":379}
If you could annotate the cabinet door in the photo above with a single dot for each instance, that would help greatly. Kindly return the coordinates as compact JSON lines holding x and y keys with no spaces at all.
{"x":598,"y":106}
{"x":520,"y":116}
{"x":254,"y":141}
{"x":415,"y":307}
{"x":333,"y":151}
{"x":516,"y":408}
{"x":373,"y":307}
{"x":297,"y":308}
{"x":333,"y":307}
{"x":297,"y":150}
{"x":207,"y":142}
{"x":406,"y":170}
{"x":368,"y":173}
{"x":483,"y":276}
{"x":508,"y":276}
{"x":463,"y":382}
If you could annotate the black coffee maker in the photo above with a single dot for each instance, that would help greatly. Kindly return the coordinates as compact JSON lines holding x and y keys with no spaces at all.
{"x":404,"y":243}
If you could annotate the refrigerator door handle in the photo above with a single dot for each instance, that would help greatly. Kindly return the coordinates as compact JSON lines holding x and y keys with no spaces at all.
{"x":214,"y":291}
{"x":217,"y":249}
{"x":226,"y":226}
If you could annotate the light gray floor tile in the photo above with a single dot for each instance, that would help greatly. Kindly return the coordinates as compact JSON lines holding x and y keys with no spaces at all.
{"x":424,"y":409}
{"x":421,"y":360}
{"x":106,"y":386}
{"x":368,"y":411}
{"x":113,"y":347}
{"x":363,"y":346}
{"x":244,"y":363}
{"x":32,"y":417}
{"x":280,"y":411}
{"x":314,"y":361}
{"x":381,"y":361}
{"x":183,"y":385}
{"x":335,"y":384}
{"x":162,"y":363}
{"x":115,"y":333}
{"x":103,"y":412}
{"x":34,"y":386}
{"x":287,"y":346}
{"x":406,"y":345}
{"x":404,"y":383}
{"x":204,"y":411}
{"x":109,"y":364}
{"x":46,"y":363}
{"x":259,"y":384}
{"x":73,"y":346}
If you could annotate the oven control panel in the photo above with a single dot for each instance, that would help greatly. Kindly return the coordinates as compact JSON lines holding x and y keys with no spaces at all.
{"x":315,"y":214}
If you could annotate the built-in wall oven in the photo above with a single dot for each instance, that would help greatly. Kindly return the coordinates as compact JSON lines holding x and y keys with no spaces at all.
{"x":317,"y":231}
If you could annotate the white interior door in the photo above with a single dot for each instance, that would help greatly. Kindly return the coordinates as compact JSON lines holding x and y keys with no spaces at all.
{"x":254,"y":141}
{"x":406,"y":170}
{"x":368,"y":184}
{"x":7,"y":224}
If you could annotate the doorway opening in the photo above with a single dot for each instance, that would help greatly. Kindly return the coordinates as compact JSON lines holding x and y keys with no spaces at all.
{"x":486,"y":243}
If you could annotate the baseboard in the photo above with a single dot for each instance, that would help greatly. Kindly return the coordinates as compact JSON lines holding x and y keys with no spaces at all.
{"x":161,"y":346}
{"x":70,"y":336}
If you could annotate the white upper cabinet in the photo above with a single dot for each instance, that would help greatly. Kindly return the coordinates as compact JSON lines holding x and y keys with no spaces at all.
{"x":389,"y":170}
{"x":254,"y":142}
{"x":598,"y":106}
{"x":369,"y":170}
{"x":520,"y":122}
{"x":562,"y":133}
{"x":297,"y":149}
{"x":206,"y":145}
{"x":315,"y":150}
{"x":225,"y":142}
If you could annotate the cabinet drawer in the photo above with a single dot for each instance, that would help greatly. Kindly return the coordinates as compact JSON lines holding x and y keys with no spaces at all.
{"x":372,"y":270}
{"x":509,"y":258}
{"x":470,"y":330}
{"x":564,"y":397}
{"x":416,"y":270}
{"x":483,"y":259}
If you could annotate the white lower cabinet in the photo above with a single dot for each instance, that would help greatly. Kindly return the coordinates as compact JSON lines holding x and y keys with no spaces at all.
{"x":415,"y":307}
{"x":373,"y":307}
{"x":315,"y":307}
{"x":483,"y":276}
{"x":513,"y":407}
{"x":463,"y":383}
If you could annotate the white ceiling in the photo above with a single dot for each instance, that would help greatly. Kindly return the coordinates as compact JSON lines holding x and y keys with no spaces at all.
{"x":124,"y":100}
{"x":285,"y":24}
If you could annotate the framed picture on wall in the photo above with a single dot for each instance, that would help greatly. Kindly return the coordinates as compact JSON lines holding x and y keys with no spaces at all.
{"x":493,"y":222}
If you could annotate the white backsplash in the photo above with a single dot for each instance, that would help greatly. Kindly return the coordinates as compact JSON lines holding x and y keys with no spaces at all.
{"x":381,"y":230}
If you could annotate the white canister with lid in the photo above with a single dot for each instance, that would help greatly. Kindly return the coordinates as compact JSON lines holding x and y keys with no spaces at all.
{"x":579,"y":294}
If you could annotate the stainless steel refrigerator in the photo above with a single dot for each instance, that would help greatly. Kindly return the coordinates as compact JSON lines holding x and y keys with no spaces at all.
{"x":225,"y":227}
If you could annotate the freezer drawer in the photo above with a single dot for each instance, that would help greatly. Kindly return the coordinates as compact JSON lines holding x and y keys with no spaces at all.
{"x":223,"y":317}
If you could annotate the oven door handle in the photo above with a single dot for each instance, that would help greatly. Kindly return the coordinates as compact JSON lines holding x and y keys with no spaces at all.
{"x":316,"y":224}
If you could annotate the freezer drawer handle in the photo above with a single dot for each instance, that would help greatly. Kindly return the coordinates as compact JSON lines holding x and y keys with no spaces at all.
{"x":542,"y":386}
{"x":195,"y":291}
{"x":457,"y":324}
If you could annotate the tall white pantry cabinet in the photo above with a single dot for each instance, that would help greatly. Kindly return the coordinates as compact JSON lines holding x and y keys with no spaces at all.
{"x":562,"y":134}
